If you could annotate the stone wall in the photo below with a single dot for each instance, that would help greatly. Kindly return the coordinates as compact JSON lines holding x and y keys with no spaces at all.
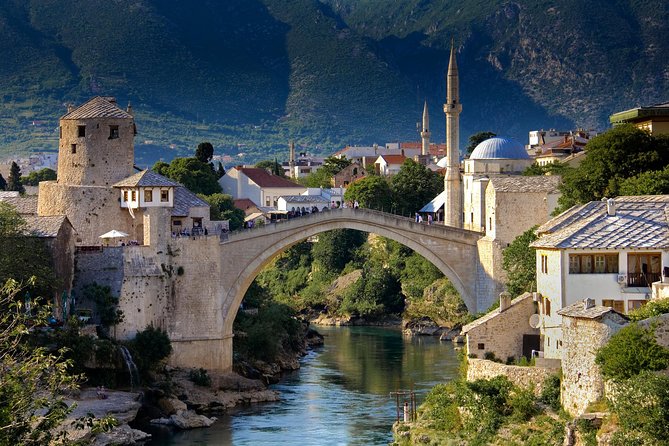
{"x":582,"y":382}
{"x":490,"y":276}
{"x":501,"y":333}
{"x":520,"y":376}
{"x":102,"y":267}
{"x":91,"y":210}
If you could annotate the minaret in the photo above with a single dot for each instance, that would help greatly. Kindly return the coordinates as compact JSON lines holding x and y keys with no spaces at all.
{"x":291,"y":160}
{"x":425,"y":133}
{"x":452,"y":182}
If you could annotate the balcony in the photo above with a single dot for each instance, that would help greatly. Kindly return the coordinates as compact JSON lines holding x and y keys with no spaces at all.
{"x":642,"y":279}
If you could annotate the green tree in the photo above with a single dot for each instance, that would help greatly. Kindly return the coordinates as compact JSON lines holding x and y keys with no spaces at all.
{"x":3,"y":183}
{"x":372,"y":192}
{"x":323,"y":177}
{"x":273,"y":166}
{"x":476,"y":139}
{"x":612,"y":157}
{"x":195,"y":175}
{"x":336,"y":248}
{"x":34,"y":177}
{"x":24,"y":256}
{"x":151,"y":346}
{"x":32,"y":382}
{"x":204,"y":152}
{"x":223,"y":208}
{"x":221,"y":170}
{"x":519,"y":262}
{"x":630,"y":351}
{"x":14,"y":180}
{"x":647,"y":183}
{"x":106,"y":304}
{"x":413,"y":186}
{"x":554,"y":168}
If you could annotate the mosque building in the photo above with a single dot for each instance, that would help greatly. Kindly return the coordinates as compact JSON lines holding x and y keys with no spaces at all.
{"x":490,"y":195}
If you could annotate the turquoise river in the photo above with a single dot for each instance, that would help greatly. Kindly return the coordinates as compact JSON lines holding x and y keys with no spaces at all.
{"x":340,"y":396}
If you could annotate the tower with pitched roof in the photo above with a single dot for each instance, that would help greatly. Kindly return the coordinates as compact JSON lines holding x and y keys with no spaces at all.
{"x":452,"y":181}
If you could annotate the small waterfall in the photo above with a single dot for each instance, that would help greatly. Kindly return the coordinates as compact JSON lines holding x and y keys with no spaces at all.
{"x":132,"y":367}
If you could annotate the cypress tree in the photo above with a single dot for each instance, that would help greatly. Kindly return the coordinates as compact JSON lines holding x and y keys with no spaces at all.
{"x":14,"y":180}
{"x":3,"y":183}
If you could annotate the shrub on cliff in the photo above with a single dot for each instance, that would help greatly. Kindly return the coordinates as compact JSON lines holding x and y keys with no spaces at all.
{"x":150,"y":346}
{"x":629,"y":352}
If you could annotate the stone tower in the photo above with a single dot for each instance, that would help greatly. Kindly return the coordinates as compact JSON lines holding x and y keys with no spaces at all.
{"x":452,"y":181}
{"x":291,"y":160}
{"x":425,"y":133}
{"x":96,"y":144}
{"x":95,"y":150}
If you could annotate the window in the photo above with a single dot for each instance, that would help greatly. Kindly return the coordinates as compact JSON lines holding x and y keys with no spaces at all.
{"x":547,"y":306}
{"x":481,"y":346}
{"x":267,"y":200}
{"x":471,"y":215}
{"x":133,"y":195}
{"x":618,"y":305}
{"x":73,"y":148}
{"x":593,"y":263}
{"x":113,"y":131}
{"x":60,"y":132}
{"x":355,"y":171}
{"x":544,"y":263}
{"x":490,"y":223}
{"x":634,"y":304}
{"x":125,"y":195}
{"x":275,"y":201}
{"x":81,"y":131}
{"x":164,"y":195}
{"x":176,"y":222}
{"x":148,"y":195}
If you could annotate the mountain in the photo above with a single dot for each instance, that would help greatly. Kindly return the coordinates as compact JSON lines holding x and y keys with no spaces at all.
{"x":248,"y":75}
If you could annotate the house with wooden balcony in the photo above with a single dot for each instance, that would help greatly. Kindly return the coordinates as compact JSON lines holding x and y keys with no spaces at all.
{"x":611,"y":251}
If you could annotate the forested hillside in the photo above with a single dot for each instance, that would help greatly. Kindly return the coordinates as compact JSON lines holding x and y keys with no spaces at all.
{"x":248,"y":75}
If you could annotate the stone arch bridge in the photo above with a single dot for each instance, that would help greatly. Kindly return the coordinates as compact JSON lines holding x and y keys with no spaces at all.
{"x":193,"y":288}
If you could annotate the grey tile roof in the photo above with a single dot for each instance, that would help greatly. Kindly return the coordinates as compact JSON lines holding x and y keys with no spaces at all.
{"x":638,"y":223}
{"x":578,"y":310}
{"x":44,"y":226}
{"x":184,"y":200}
{"x":8,"y":194}
{"x":519,"y":183}
{"x":305,"y":199}
{"x":98,"y":107}
{"x":26,"y":205}
{"x":494,"y":313}
{"x":147,"y":178}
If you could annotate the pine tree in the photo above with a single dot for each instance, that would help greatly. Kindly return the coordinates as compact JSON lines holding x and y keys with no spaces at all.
{"x":3,"y":183}
{"x":14,"y":180}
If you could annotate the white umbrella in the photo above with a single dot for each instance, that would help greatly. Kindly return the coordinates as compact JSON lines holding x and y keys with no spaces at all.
{"x":114,"y":234}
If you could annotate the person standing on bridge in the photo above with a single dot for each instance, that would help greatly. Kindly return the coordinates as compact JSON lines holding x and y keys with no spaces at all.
{"x":356,"y":205}
{"x":429,"y":219}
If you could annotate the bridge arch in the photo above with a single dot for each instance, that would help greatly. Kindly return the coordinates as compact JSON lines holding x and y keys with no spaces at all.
{"x":452,"y":251}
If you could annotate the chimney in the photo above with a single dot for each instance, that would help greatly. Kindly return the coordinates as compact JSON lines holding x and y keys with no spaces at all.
{"x":588,"y":303}
{"x":70,"y":107}
{"x":504,"y":301}
{"x":129,"y":109}
{"x":610,"y":207}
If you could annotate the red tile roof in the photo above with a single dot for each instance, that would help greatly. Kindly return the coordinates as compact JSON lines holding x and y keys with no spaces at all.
{"x":264,"y":179}
{"x":394,"y":159}
{"x":244,"y":204}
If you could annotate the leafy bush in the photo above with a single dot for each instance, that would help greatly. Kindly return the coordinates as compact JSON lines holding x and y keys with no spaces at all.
{"x":106,"y":303}
{"x":630,"y":351}
{"x":655,"y":307}
{"x":150,"y":347}
{"x":200,"y":377}
{"x":440,"y":408}
{"x":642,"y":407}
{"x":523,"y":404}
{"x":550,"y":393}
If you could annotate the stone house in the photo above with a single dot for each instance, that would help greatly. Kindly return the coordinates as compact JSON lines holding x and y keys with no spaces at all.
{"x":585,"y":328}
{"x":258,"y":185}
{"x":610,"y":251}
{"x":504,"y":332}
{"x":348,"y":175}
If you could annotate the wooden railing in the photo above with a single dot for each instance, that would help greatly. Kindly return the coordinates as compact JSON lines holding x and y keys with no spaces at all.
{"x":642,"y":279}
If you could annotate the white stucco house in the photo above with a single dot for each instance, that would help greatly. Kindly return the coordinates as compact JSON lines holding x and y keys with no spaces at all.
{"x":610,"y":251}
{"x":258,"y":185}
{"x":389,"y":164}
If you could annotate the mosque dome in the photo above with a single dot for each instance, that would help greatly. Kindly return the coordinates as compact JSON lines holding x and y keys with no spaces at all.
{"x":499,"y":148}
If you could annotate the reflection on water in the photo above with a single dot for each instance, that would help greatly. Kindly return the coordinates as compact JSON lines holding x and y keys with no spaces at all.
{"x":340,"y":396}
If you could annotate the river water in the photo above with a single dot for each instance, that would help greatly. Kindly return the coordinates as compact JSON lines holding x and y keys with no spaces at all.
{"x":340,"y":396}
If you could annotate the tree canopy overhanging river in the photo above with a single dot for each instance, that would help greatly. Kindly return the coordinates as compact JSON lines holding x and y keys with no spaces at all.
{"x":340,"y":396}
